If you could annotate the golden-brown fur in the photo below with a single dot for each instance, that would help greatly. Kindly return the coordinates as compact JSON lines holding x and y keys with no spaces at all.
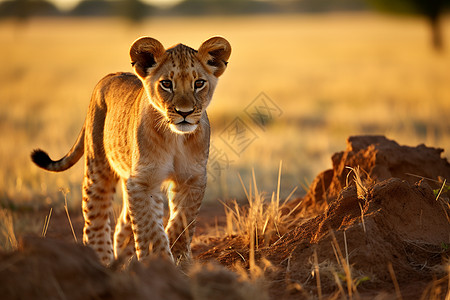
{"x":150,"y":131}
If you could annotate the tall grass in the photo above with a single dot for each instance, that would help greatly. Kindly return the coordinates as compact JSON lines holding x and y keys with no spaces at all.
{"x":262,"y":222}
{"x":8,"y":241}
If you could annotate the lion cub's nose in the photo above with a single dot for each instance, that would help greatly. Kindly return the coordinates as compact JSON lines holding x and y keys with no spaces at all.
{"x":184,"y":112}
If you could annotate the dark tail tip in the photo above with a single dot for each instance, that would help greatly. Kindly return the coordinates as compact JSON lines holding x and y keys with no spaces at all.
{"x":41,"y":158}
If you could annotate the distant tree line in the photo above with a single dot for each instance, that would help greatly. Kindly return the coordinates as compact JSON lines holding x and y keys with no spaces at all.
{"x":136,"y":10}
{"x":23,"y":9}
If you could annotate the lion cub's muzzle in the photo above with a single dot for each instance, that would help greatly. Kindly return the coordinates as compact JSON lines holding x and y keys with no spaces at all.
{"x":183,"y":120}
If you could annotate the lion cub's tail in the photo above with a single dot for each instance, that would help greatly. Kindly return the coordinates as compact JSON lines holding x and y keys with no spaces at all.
{"x":41,"y":158}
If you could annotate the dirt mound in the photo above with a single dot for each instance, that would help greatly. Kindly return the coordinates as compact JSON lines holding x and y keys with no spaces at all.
{"x":388,"y":229}
{"x":381,"y":159}
{"x":44,"y":268}
{"x":391,"y":224}
{"x":395,"y":223}
{"x":50,"y":269}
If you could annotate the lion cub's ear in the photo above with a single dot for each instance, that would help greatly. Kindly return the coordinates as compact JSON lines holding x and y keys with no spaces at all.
{"x":214,"y":53}
{"x":145,"y":53}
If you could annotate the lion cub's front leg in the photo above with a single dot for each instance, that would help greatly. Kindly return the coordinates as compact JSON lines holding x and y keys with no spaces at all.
{"x":185,"y":196}
{"x":184,"y":201}
{"x":146,"y":210}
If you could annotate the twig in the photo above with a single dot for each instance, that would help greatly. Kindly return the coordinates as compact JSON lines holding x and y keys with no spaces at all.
{"x":46,"y":222}
{"x":68,"y":216}
{"x":394,"y":280}
{"x":317,"y":274}
{"x":440,"y":191}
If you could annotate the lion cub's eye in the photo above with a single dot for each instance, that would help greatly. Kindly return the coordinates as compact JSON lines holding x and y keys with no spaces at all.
{"x":166,"y":84}
{"x":199,"y":84}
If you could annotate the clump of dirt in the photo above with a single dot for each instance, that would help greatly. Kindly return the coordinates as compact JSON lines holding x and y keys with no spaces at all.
{"x":380,"y":159}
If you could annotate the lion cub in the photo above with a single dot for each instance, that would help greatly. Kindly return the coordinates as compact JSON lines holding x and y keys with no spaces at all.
{"x":149,"y":130}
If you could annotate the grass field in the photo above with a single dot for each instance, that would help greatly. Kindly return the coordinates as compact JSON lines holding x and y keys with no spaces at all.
{"x":325,"y":77}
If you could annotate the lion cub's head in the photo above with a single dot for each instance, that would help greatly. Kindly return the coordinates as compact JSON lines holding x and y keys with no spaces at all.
{"x":180,"y":81}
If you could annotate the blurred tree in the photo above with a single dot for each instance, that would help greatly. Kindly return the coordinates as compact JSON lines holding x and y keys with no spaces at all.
{"x":133,"y":10}
{"x":93,"y":8}
{"x":431,"y":9}
{"x":223,"y":7}
{"x":318,"y":6}
{"x":24,"y":9}
{"x":21,"y":9}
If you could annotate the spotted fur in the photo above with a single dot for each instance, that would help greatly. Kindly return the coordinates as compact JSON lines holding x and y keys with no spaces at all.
{"x":150,"y":131}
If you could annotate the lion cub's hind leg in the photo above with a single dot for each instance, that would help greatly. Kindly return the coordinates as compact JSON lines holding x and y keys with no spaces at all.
{"x":123,"y":235}
{"x":99,"y":186}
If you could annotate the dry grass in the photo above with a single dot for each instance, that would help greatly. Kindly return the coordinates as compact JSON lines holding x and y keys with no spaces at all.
{"x":262,"y":222}
{"x":338,"y":274}
{"x":438,"y":288}
{"x":343,"y":272}
{"x":8,"y":241}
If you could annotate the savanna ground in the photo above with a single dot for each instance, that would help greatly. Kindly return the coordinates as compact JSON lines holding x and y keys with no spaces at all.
{"x":323,"y":77}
